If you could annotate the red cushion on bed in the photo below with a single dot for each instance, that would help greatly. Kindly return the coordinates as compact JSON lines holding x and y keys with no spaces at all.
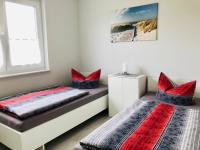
{"x":164,"y":82}
{"x":93,"y":76}
{"x":82,"y":82}
{"x":77,"y":75}
{"x":176,"y":94}
{"x":165,"y":85}
{"x":186,"y":89}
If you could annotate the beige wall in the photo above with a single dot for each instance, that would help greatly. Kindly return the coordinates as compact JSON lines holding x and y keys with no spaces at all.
{"x":176,"y":52}
{"x":63,"y":49}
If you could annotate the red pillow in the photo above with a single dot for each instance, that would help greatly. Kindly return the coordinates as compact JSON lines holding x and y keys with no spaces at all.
{"x":93,"y":76}
{"x":77,"y":75}
{"x":176,"y":94}
{"x":82,"y":82}
{"x":164,"y":82}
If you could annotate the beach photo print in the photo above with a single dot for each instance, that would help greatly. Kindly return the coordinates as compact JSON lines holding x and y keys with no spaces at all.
{"x":135,"y":24}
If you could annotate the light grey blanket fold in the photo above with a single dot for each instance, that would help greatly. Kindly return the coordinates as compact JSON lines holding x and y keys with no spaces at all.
{"x":38,"y":104}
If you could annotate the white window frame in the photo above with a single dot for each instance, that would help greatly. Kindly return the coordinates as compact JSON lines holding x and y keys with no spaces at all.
{"x":8,"y":69}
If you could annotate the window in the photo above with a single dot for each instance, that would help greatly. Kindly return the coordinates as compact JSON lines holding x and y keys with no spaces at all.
{"x":1,"y":56}
{"x":22,"y":42}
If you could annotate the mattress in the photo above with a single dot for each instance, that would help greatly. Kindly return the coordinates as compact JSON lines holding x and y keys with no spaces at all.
{"x":148,"y":124}
{"x":33,"y":121}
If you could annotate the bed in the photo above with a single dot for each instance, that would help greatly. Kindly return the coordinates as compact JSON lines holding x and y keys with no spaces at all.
{"x":33,"y":130}
{"x":148,"y":124}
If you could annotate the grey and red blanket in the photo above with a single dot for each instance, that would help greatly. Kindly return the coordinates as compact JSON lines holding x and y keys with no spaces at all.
{"x":148,"y":125}
{"x":26,"y":105}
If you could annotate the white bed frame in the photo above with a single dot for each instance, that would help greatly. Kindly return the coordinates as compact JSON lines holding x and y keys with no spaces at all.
{"x":38,"y":136}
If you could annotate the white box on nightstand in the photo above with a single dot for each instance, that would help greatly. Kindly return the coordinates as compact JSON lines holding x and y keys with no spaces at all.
{"x":124,"y":90}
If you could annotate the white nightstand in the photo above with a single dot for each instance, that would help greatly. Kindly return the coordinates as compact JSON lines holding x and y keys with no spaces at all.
{"x":124,"y":90}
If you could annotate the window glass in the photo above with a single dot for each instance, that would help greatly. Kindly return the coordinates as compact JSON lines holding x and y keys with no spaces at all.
{"x":23,"y":39}
{"x":1,"y":55}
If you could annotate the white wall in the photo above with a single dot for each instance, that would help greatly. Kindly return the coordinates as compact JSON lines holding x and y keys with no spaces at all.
{"x":176,"y":52}
{"x":62,"y":28}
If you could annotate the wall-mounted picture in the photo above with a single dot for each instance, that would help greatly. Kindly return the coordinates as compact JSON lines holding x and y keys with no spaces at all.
{"x":135,"y":24}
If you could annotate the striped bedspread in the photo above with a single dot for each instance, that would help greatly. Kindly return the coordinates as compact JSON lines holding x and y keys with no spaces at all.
{"x":148,"y":125}
{"x":26,"y":105}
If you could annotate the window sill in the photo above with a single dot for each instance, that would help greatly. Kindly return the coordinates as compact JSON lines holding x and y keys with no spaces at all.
{"x":23,"y":73}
